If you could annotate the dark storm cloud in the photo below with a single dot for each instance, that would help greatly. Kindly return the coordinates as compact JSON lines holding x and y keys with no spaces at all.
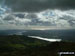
{"x":19,"y":15}
{"x":38,"y":5}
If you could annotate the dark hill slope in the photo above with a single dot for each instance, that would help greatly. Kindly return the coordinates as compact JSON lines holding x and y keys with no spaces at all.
{"x":17,"y":45}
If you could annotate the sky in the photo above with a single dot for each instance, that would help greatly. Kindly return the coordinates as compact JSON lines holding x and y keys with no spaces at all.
{"x":39,"y":5}
{"x":37,"y":14}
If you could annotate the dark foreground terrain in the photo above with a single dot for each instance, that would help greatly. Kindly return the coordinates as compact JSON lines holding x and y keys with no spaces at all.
{"x":17,"y":45}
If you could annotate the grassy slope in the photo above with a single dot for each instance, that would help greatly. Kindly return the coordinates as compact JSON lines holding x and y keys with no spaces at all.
{"x":24,"y":46}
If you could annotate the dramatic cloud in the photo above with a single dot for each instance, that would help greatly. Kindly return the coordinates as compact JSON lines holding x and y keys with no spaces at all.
{"x":47,"y":18}
{"x":39,"y":5}
{"x":44,"y":18}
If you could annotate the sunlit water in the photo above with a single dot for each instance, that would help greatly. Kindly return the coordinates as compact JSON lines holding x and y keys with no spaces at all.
{"x":46,"y":39}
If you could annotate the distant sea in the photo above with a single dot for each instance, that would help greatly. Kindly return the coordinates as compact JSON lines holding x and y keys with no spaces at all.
{"x":65,"y":35}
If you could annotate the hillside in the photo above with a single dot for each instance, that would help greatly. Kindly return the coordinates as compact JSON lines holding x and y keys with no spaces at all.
{"x":19,"y":45}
